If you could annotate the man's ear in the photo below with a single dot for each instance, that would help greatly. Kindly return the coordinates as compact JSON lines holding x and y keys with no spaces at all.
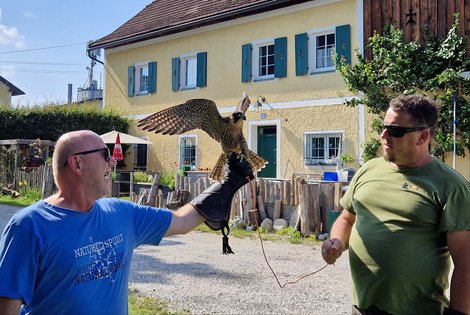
{"x":424,"y":136}
{"x":76,"y":164}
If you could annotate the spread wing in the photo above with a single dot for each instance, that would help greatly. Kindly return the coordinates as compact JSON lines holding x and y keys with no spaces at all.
{"x":193,"y":114}
{"x":244,"y":103}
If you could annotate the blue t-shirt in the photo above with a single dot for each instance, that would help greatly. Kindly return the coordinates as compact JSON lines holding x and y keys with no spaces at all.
{"x":60,"y":261}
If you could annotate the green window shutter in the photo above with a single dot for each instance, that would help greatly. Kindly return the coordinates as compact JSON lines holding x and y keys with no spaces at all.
{"x":280,"y":57}
{"x":201,"y":79}
{"x":301,"y":54}
{"x":175,"y":74}
{"x":246,"y":63}
{"x":343,"y":43}
{"x":152,"y":77}
{"x":130,"y":80}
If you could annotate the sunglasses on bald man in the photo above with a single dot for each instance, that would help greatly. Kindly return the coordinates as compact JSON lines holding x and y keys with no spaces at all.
{"x":107,"y":154}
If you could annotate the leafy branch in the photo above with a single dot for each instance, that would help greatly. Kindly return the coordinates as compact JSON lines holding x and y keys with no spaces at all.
{"x":434,"y":68}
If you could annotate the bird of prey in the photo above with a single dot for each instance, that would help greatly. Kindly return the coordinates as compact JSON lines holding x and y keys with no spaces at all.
{"x":203,"y":114}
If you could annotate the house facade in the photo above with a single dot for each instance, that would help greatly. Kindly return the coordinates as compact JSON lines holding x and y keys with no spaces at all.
{"x":7,"y":91}
{"x":281,"y":53}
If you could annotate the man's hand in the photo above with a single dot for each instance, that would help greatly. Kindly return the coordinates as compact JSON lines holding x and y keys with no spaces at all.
{"x":332,"y":250}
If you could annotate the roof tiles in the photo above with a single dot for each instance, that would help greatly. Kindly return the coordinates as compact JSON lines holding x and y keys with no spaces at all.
{"x":164,"y":17}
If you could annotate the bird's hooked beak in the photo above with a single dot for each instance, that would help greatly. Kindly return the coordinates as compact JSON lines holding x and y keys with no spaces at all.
{"x":237,"y":116}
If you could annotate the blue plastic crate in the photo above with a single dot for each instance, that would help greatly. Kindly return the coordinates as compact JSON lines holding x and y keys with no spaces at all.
{"x":330,"y":176}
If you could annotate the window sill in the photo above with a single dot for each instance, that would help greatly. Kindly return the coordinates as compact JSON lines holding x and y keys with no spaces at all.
{"x":322,"y":71}
{"x":142,"y":94}
{"x":188,"y":88}
{"x":263,"y":79}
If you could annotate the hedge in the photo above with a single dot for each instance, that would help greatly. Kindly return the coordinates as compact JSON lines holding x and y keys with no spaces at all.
{"x":48,"y":123}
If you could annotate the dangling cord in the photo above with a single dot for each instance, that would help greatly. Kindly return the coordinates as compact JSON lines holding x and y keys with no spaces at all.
{"x":264,"y":254}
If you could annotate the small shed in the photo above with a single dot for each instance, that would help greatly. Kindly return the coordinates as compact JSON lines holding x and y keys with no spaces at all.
{"x":22,"y":148}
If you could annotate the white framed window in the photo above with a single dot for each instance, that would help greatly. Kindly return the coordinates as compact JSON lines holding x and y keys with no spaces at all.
{"x":187,"y":151}
{"x":322,"y":147}
{"x":322,"y":48}
{"x":188,"y":71}
{"x":263,"y":59}
{"x":141,"y":79}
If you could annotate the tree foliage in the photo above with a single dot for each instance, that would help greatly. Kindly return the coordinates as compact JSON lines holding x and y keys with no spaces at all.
{"x":434,"y":68}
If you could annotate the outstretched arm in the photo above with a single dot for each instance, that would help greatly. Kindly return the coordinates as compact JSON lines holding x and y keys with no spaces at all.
{"x":184,"y":220}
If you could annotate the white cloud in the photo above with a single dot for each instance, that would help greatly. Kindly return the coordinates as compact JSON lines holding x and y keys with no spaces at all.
{"x":11,"y":36}
{"x":6,"y":71}
{"x":29,"y":15}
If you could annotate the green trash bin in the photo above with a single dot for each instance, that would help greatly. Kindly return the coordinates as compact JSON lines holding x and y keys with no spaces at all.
{"x":331,"y":218}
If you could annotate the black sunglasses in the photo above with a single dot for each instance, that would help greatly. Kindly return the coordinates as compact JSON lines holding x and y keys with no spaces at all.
{"x":107,"y":154}
{"x":398,"y":132}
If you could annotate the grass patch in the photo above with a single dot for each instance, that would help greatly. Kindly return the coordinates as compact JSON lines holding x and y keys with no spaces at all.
{"x":16,"y":202}
{"x":289,"y":235}
{"x":144,"y":305}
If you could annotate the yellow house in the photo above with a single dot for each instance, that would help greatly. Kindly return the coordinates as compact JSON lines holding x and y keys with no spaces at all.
{"x":7,"y":90}
{"x":279,"y":52}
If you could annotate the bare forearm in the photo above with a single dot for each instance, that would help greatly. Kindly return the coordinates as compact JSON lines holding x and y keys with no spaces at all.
{"x":9,"y":306}
{"x":339,"y":238}
{"x":342,"y":227}
{"x":460,"y":290}
{"x":184,"y":220}
{"x":459,"y":247}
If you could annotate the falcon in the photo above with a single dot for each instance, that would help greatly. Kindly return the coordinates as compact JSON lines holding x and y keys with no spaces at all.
{"x":203,"y":114}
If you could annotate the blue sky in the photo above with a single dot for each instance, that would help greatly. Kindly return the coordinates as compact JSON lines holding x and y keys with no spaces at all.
{"x":43,"y":44}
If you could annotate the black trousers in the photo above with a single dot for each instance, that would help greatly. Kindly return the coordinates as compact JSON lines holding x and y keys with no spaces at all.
{"x":372,"y":310}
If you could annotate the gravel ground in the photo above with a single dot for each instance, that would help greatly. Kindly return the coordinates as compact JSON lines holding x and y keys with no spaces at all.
{"x":191,"y":272}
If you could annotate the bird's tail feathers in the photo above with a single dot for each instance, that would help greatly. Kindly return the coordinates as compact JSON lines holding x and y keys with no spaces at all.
{"x":218,"y":171}
{"x":256,"y":161}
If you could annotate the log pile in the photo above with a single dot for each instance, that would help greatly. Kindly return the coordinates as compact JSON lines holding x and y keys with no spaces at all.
{"x":308,"y":201}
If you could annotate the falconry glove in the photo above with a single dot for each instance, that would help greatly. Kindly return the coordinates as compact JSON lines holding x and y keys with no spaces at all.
{"x":214,"y":203}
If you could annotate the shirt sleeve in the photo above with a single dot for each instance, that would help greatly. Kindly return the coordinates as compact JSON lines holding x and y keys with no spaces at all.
{"x":456,"y":212}
{"x":150,"y":224}
{"x":19,"y":250}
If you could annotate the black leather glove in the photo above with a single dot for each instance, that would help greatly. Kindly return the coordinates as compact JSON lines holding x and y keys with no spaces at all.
{"x":214,"y":203}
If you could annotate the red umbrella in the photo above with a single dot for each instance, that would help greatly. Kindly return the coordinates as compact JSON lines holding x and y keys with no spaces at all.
{"x":117,"y":152}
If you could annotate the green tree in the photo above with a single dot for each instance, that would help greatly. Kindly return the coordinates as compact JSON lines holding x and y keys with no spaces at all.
{"x":434,"y":68}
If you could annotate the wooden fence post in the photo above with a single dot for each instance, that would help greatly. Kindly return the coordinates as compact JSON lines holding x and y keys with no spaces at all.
{"x":277,"y":209}
{"x":153,"y":190}
{"x":48,"y":181}
{"x":262,"y":210}
{"x":337,"y":196}
{"x":310,"y":209}
{"x":327,"y":193}
{"x":131,"y":183}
